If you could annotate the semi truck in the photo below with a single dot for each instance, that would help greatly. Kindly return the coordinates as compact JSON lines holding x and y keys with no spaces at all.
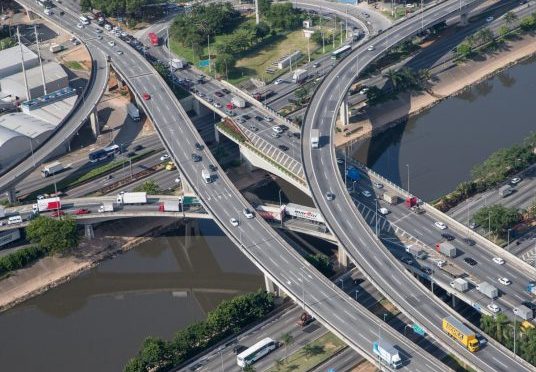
{"x":460,"y":284}
{"x":153,"y":38}
{"x":390,"y":198}
{"x":387,"y":353}
{"x":133,"y":112}
{"x":299,"y":75}
{"x":106,"y":207}
{"x":170,"y":206}
{"x":460,"y":332}
{"x":304,"y":319}
{"x":132,"y":198}
{"x":52,"y":168}
{"x":238,"y":102}
{"x":488,"y":290}
{"x":315,"y":138}
{"x":55,"y":48}
{"x":48,"y":204}
{"x":177,"y":64}
{"x":524,"y":312}
{"x":505,"y":190}
{"x":446,"y":249}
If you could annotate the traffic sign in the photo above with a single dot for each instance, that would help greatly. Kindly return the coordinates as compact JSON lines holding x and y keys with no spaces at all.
{"x":417,"y":329}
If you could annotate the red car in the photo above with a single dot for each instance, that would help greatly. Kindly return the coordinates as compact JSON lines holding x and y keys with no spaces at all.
{"x":146,"y":96}
{"x":82,"y":211}
{"x":57,"y":213}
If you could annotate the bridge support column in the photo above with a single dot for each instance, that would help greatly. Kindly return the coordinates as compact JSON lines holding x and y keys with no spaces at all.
{"x":94,"y":121}
{"x":88,"y":231}
{"x":271,"y":287}
{"x":11,"y":194}
{"x":342,"y":256}
{"x":344,"y":112}
{"x":191,"y":229}
{"x":216,"y":133}
{"x":453,"y":301}
{"x":464,"y":19}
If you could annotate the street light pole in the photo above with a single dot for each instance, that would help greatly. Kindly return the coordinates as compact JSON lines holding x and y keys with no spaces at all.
{"x":515,"y":318}
{"x":376,"y":217}
{"x":508,"y":244}
{"x":407,"y":165}
{"x":280,"y":207}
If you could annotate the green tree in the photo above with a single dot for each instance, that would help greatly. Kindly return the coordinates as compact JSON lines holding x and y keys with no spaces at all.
{"x":287,"y":339}
{"x":310,"y":350}
{"x":53,"y":235}
{"x":150,"y":187}
{"x":262,"y":30}
{"x":393,"y":77}
{"x":224,"y":63}
{"x":528,"y":23}
{"x":85,"y":5}
{"x":321,"y":263}
{"x":503,"y":32}
{"x":154,"y":354}
{"x":464,"y":50}
{"x":485,"y":36}
{"x":510,"y":18}
{"x":498,"y":217}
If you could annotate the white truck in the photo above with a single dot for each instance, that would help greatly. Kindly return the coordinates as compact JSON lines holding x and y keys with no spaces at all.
{"x":52,"y":168}
{"x":106,"y":207}
{"x":488,"y":290}
{"x":460,"y":284}
{"x":238,"y":102}
{"x":387,"y":353}
{"x":55,"y":48}
{"x":390,"y":198}
{"x":299,"y":75}
{"x":132,"y":198}
{"x":315,"y":138}
{"x":48,"y":204}
{"x":133,"y":112}
{"x":207,"y":177}
{"x":177,"y":64}
{"x":170,"y":206}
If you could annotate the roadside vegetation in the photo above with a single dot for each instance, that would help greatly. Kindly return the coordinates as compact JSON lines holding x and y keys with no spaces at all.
{"x":321,"y":263}
{"x":53,"y":235}
{"x":19,"y":259}
{"x":402,"y":80}
{"x":150,"y":187}
{"x":497,"y":218}
{"x":5,"y":40}
{"x":228,"y":319}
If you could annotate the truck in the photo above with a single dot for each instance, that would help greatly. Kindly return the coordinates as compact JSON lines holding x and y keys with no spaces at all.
{"x":505,"y":190}
{"x":106,"y":207}
{"x":238,"y":102}
{"x":524,"y":312}
{"x":132,"y":198}
{"x":55,"y":48}
{"x":461,"y":333}
{"x":153,"y":38}
{"x":460,"y":284}
{"x":177,"y":64}
{"x":304,"y":319}
{"x":52,"y":168}
{"x":205,"y":174}
{"x":416,"y":251}
{"x":411,"y":201}
{"x":315,"y":138}
{"x":170,"y":206}
{"x":488,"y":290}
{"x":261,"y":96}
{"x":390,"y":198}
{"x":299,"y":75}
{"x":48,"y":204}
{"x":446,"y":249}
{"x":387,"y":353}
{"x":133,"y":112}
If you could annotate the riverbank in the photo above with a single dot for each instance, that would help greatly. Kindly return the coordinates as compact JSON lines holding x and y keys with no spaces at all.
{"x":110,"y":240}
{"x":447,"y":83}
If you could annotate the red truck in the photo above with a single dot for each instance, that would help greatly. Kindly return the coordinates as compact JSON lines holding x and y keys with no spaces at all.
{"x":305,"y":319}
{"x":153,"y":38}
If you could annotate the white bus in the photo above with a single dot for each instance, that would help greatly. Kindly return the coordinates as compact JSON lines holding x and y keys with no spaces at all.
{"x":256,"y":352}
{"x":341,"y":52}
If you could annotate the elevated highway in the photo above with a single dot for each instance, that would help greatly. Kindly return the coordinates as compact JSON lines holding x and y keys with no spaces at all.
{"x":345,"y":221}
{"x":255,"y":238}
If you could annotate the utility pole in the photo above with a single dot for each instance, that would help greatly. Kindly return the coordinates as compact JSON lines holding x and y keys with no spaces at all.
{"x":209,"y":68}
{"x":422,"y":15}
{"x":28,"y":95}
{"x":169,"y":57}
{"x":40,"y":60}
{"x":308,"y":50}
{"x":407,"y":165}
{"x":257,"y":16}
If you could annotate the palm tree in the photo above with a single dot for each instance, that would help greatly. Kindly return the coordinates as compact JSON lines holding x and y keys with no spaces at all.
{"x":279,"y":364}
{"x":393,"y":77}
{"x":502,"y":327}
{"x":287,"y":339}
{"x":510,"y":18}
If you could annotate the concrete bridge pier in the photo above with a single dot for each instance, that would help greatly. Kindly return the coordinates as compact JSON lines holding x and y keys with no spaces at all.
{"x":88,"y":231}
{"x":94,"y":122}
{"x":186,"y":188}
{"x":271,"y":287}
{"x":344,"y":112}
{"x":342,"y":256}
{"x":11,"y":194}
{"x":216,"y":134}
{"x":191,"y":229}
{"x":464,"y":19}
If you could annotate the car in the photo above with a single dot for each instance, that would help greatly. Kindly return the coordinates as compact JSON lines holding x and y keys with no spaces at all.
{"x":40,"y":197}
{"x":218,"y":94}
{"x":363,"y":91}
{"x":449,"y":237}
{"x":330,"y":195}
{"x":407,"y":260}
{"x":217,"y":104}
{"x":366,"y":193}
{"x":201,"y":94}
{"x":177,"y":180}
{"x":146,"y":96}
{"x":58,"y":213}
{"x":498,"y":260}
{"x":277,"y":129}
{"x":196,"y":157}
{"x":383,"y":211}
{"x":515,"y":180}
{"x":62,"y":13}
{"x":79,"y":25}
{"x":253,"y":128}
{"x":470,"y":261}
{"x":119,"y":52}
{"x":316,"y":65}
{"x":234,"y":222}
{"x":212,"y":168}
{"x":226,"y":91}
{"x":340,"y":161}
{"x":427,"y":270}
{"x":98,"y":31}
{"x":441,"y":263}
{"x":198,"y":146}
{"x":258,"y":118}
{"x":421,"y":255}
{"x":82,"y":211}
{"x":131,"y":154}
{"x":473,"y":225}
{"x":209,"y":100}
{"x":275,"y":135}
{"x":111,"y":43}
{"x":440,"y":225}
{"x":278,"y":81}
{"x":490,"y":19}
{"x":370,"y":48}
{"x":493,"y":308}
{"x":378,"y":185}
{"x":505,"y":281}
{"x":282,"y":147}
{"x":99,"y":37}
{"x":268,"y":119}
{"x":124,"y":34}
{"x":237,"y":349}
{"x":138,"y":147}
{"x":248,"y":213}
{"x":469,"y":242}
{"x":296,"y":135}
{"x":164,"y":157}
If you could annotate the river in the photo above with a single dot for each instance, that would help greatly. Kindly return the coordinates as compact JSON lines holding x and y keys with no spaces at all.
{"x":442,"y":145}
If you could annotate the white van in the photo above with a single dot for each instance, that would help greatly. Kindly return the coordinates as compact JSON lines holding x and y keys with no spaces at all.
{"x":84,"y":20}
{"x":14,"y":220}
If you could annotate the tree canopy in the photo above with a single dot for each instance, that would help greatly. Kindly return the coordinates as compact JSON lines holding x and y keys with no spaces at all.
{"x":498,"y":217}
{"x":52,"y":234}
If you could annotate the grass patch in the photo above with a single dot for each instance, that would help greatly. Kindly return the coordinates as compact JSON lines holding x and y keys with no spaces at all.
{"x":312,"y":354}
{"x":74,"y":65}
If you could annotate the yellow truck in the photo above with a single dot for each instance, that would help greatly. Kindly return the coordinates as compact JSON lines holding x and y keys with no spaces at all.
{"x":170,"y":166}
{"x":460,"y":332}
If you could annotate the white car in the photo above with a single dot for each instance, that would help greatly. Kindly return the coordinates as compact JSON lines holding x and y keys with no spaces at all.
{"x":441,"y":263}
{"x":98,"y":31}
{"x":277,"y":129}
{"x":383,"y":211}
{"x":440,"y":225}
{"x":268,"y":119}
{"x":370,"y":48}
{"x":217,"y":104}
{"x":340,"y":161}
{"x":79,"y":25}
{"x":498,"y":260}
{"x":111,"y":43}
{"x":248,"y":213}
{"x":494,"y":308}
{"x":363,"y":91}
{"x":177,"y":180}
{"x":489,"y":19}
{"x":515,"y":180}
{"x":330,"y":195}
{"x":234,"y":222}
{"x":124,"y":34}
{"x":164,"y":157}
{"x":378,"y":185}
{"x":119,"y":52}
{"x":278,"y":81}
{"x":366,"y":193}
{"x":505,"y":281}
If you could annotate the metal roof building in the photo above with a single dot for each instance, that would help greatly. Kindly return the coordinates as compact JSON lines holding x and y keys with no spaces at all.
{"x":10,"y":60}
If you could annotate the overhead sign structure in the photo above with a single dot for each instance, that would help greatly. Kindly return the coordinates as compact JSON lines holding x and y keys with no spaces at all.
{"x":417,"y":329}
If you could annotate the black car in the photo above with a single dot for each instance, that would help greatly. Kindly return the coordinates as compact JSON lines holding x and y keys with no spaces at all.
{"x":226,"y":91}
{"x":253,"y":128}
{"x":198,"y":146}
{"x":258,"y":118}
{"x":469,"y":242}
{"x":427,"y":270}
{"x":283,"y":147}
{"x":283,"y":127}
{"x":196,"y":157}
{"x":138,"y":148}
{"x":407,"y":260}
{"x":131,"y":154}
{"x":212,"y":168}
{"x":447,"y":236}
{"x":297,"y":135}
{"x":470,"y":261}
{"x":246,"y":117}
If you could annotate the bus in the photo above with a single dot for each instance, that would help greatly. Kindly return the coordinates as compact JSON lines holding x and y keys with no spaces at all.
{"x":256,"y":352}
{"x":341,"y":52}
{"x":103,"y":154}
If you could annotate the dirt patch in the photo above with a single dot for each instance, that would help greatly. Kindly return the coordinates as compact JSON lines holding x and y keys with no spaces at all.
{"x":79,"y":55}
{"x":364,"y":366}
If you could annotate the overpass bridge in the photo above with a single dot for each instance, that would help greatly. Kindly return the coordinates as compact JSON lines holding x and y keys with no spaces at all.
{"x":256,"y":239}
